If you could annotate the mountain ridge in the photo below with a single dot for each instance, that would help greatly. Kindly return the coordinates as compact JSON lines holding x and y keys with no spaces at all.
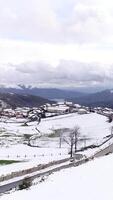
{"x":103,"y":99}
{"x":48,"y":93}
{"x":17,"y":100}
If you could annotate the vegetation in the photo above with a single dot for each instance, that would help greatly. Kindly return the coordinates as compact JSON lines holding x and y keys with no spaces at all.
{"x":7,"y":162}
{"x":25,"y":184}
{"x":52,"y":135}
{"x":73,"y":139}
{"x":20,"y":100}
{"x":25,"y":124}
{"x":27,"y":136}
{"x":58,"y":132}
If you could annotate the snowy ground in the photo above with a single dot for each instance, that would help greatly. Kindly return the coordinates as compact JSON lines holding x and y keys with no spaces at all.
{"x":12,"y":135}
{"x":91,"y":181}
{"x":91,"y":125}
{"x":29,"y":157}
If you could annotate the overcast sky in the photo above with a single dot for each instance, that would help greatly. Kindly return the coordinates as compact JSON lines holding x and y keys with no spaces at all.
{"x":56,"y":43}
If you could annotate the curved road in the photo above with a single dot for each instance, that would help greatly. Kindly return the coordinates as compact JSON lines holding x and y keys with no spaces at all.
{"x":14,"y":183}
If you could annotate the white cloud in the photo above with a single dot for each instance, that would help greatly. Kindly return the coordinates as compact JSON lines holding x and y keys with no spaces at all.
{"x":56,"y":42}
{"x":65,"y":74}
{"x":27,"y":20}
{"x":56,"y":21}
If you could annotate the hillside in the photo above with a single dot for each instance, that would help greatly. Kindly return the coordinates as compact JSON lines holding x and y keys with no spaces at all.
{"x":17,"y":100}
{"x":91,"y":181}
{"x":104,"y":99}
{"x":48,"y":93}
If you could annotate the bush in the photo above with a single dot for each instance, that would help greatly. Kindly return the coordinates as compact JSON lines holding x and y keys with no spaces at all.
{"x":25,"y":184}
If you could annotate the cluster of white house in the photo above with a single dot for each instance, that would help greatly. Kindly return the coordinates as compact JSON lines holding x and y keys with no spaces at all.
{"x":66,"y":107}
{"x":48,"y":109}
{"x":58,"y":108}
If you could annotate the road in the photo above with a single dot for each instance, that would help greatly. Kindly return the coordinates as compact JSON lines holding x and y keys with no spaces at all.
{"x":104,"y":151}
{"x":15,"y":182}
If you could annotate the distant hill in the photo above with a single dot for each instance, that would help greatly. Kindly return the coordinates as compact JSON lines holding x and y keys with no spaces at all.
{"x":32,"y":96}
{"x":48,"y":93}
{"x":18,"y":100}
{"x":104,"y":99}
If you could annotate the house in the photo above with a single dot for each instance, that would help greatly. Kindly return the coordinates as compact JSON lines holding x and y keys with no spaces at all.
{"x":69,"y":103}
{"x":58,"y":109}
{"x":77,"y":106}
{"x":82,"y":111}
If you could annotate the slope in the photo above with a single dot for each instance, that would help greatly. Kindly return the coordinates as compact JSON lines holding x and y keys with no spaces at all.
{"x":17,"y":100}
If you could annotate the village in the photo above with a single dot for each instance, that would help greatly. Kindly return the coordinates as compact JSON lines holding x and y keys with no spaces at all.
{"x":44,"y":126}
{"x":34,"y":136}
{"x":51,"y":110}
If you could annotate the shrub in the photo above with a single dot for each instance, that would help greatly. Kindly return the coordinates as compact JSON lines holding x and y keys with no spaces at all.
{"x":25,"y":184}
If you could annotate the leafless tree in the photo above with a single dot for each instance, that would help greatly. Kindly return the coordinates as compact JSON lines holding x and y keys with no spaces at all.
{"x":76,"y":134}
{"x":72,"y":139}
{"x":112,"y":130}
{"x":83,"y":139}
{"x":110,"y":118}
{"x":60,"y":133}
{"x":33,"y":118}
{"x":70,"y":142}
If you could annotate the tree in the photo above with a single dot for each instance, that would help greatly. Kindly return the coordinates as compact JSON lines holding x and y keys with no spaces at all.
{"x":112,"y":130}
{"x":32,"y":117}
{"x":84,"y":139}
{"x":110,"y":119}
{"x":72,"y":139}
{"x":70,"y":142}
{"x":76,"y":133}
{"x":59,"y":133}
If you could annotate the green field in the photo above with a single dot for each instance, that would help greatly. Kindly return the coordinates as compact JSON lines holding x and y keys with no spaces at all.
{"x":7,"y":162}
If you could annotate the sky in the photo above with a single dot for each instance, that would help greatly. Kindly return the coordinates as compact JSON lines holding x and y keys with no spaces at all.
{"x":56,"y":43}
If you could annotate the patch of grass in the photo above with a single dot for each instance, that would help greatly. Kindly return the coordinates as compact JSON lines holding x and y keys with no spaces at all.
{"x":7,"y":162}
{"x":58,"y":132}
{"x":25,"y":124}
{"x":7,"y":135}
{"x":52,"y":135}
{"x":27,"y":136}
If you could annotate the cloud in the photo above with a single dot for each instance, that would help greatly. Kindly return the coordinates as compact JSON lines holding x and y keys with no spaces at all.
{"x":65,"y":74}
{"x":27,"y":20}
{"x":56,"y":43}
{"x":54,"y":21}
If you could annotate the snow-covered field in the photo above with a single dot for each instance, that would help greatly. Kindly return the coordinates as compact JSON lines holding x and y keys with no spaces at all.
{"x":92,"y":125}
{"x":91,"y":181}
{"x":30,"y":157}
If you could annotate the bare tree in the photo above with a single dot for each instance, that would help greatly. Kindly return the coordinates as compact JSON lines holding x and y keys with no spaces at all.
{"x":70,"y":142}
{"x":110,"y":118}
{"x":72,"y":139}
{"x":84,"y":140}
{"x":76,"y":134}
{"x":33,"y":118}
{"x":112,"y":130}
{"x":59,"y":133}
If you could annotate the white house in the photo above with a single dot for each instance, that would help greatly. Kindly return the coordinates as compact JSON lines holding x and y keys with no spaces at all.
{"x":82,"y":111}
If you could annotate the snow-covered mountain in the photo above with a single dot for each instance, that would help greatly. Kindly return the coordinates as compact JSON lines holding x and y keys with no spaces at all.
{"x":21,"y":100}
{"x":103,"y":98}
{"x":49,"y":93}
